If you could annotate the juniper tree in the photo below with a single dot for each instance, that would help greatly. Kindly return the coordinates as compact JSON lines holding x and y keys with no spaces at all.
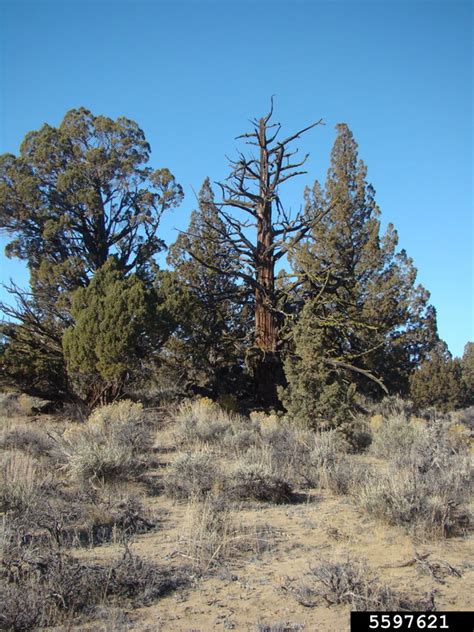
{"x":81,"y":192}
{"x":467,"y":367}
{"x":438,"y":381}
{"x":260,"y":231}
{"x":208,"y":345}
{"x":74,"y":196}
{"x":113,"y":327}
{"x":31,"y":357}
{"x":360,"y":292}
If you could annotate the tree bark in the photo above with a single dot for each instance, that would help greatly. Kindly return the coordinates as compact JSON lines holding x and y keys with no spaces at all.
{"x":268,"y":371}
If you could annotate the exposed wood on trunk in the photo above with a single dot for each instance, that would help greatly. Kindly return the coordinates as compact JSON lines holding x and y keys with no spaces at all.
{"x":252,"y":187}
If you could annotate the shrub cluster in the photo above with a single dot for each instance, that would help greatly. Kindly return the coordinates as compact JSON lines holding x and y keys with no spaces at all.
{"x":112,"y":444}
{"x":427,"y":482}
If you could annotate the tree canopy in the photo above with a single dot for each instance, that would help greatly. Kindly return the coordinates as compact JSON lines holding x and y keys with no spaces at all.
{"x":365,"y":323}
{"x":81,"y":192}
{"x":305,"y":312}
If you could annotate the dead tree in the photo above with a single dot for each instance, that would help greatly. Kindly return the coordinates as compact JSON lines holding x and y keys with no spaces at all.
{"x":250,"y":202}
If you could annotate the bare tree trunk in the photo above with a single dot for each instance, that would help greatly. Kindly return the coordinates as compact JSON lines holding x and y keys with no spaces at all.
{"x":267,"y":371}
{"x":252,"y":188}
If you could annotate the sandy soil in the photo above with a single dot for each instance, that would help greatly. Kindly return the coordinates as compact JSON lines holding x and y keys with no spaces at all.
{"x":257,"y":588}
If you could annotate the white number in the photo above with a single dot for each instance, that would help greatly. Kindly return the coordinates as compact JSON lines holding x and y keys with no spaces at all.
{"x":385,"y":619}
{"x":421,"y":621}
{"x":397,"y":621}
{"x":373,"y":619}
{"x":444,"y":626}
{"x":410,"y":620}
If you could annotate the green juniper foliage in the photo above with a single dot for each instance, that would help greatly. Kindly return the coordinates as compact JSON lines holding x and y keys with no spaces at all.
{"x":82,"y":208}
{"x":111,"y":334}
{"x":74,"y":196}
{"x":365,"y":323}
{"x":439,"y":382}
{"x":80,"y":192}
{"x":467,"y":368}
{"x":209,"y":343}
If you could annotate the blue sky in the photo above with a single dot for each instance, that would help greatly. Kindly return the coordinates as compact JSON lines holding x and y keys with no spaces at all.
{"x":399,"y":73}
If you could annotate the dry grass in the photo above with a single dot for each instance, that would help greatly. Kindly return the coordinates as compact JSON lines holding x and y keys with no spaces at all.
{"x":83,"y":489}
{"x":213,"y":537}
{"x":21,"y":481}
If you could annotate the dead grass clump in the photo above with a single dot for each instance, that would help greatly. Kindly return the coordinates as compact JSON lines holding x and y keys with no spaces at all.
{"x":255,"y":481}
{"x":111,"y":445}
{"x":351,"y":582}
{"x":212,"y":537}
{"x":21,"y":481}
{"x":192,"y":475}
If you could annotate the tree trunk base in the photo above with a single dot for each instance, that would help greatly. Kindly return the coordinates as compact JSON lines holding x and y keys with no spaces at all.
{"x":267,"y":371}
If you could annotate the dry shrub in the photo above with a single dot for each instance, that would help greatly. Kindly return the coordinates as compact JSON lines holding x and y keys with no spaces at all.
{"x":239,"y":441}
{"x":255,"y":481}
{"x":9,"y":405}
{"x":69,"y":518}
{"x":212,"y":537}
{"x":111,"y":445}
{"x":345,"y":475}
{"x":303,"y":457}
{"x":427,"y":484}
{"x":60,"y":587}
{"x":202,"y":421}
{"x":287,"y":451}
{"x":466,"y":417}
{"x":351,"y":582}
{"x":191,"y":475}
{"x":397,"y":438}
{"x":29,"y":440}
{"x":393,"y":406}
{"x":434,"y":503}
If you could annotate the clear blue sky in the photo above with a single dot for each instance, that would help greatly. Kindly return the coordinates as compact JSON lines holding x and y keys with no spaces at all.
{"x":399,"y":73}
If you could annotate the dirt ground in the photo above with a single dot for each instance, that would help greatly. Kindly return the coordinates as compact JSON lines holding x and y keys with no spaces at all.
{"x":258,"y":587}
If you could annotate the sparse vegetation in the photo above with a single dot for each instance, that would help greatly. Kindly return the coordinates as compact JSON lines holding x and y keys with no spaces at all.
{"x":426,"y":485}
{"x":213,"y":537}
{"x":351,"y":582}
{"x":79,"y":485}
